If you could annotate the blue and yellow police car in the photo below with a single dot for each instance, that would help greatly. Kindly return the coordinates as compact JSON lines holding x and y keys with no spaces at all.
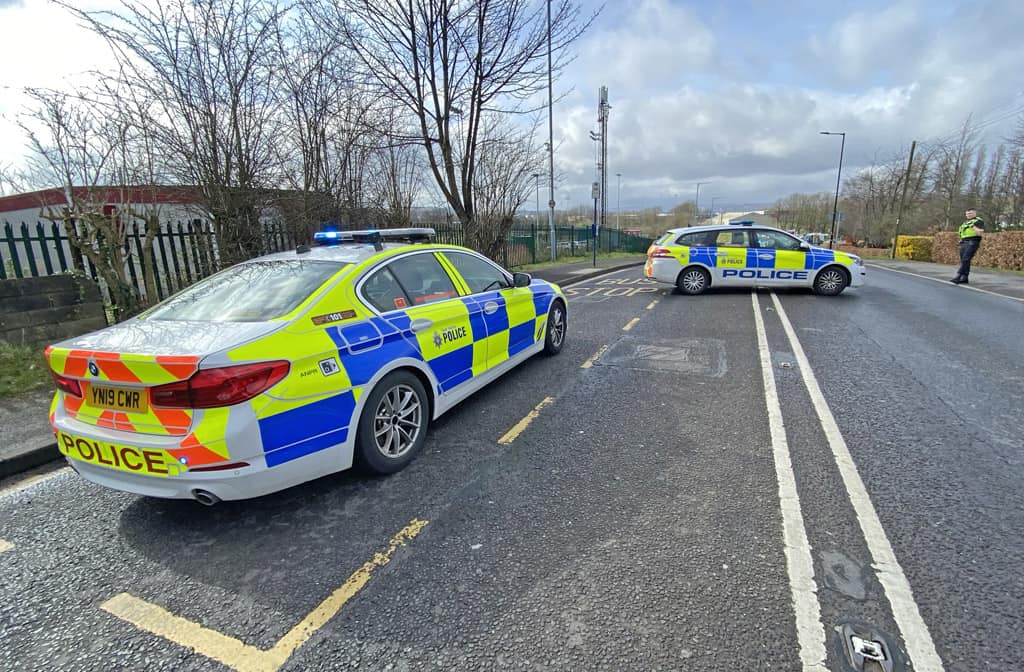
{"x":745,"y":254}
{"x":295,"y":365}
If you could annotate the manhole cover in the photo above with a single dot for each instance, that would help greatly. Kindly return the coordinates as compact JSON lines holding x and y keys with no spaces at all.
{"x":695,"y":356}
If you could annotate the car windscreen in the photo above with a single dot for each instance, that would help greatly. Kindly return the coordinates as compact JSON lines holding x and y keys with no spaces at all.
{"x":249,"y":292}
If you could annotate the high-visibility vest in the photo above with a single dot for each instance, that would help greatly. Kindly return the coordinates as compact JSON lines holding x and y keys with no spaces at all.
{"x":967,"y":228}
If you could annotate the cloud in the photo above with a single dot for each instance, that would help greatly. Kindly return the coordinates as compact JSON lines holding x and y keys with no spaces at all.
{"x":650,"y":42}
{"x":745,"y":133}
{"x":866,"y":44}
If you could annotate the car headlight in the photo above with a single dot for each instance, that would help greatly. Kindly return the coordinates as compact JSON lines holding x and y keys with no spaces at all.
{"x":857,"y":260}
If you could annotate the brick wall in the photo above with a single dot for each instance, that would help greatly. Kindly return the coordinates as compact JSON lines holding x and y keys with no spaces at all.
{"x":38,"y":311}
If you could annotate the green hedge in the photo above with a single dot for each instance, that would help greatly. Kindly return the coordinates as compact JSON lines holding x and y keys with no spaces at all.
{"x":917,"y":248}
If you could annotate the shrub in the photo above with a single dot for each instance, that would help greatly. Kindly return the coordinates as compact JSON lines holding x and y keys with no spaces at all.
{"x":916,"y":248}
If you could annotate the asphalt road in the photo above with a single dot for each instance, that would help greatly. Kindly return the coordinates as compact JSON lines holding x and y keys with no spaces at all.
{"x":636,"y":523}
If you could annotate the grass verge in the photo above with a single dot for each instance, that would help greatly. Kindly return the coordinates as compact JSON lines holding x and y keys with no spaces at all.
{"x":22,"y":369}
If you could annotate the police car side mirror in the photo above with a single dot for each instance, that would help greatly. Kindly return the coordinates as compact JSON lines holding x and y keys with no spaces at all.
{"x":805,"y":246}
{"x":521,"y":279}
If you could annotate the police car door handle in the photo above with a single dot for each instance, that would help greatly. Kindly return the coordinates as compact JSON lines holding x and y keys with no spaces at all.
{"x":490,"y":307}
{"x":420,"y":325}
{"x":764,"y":256}
{"x":722,"y":254}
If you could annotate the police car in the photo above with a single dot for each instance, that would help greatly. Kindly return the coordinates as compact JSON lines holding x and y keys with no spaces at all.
{"x":295,"y":365}
{"x":744,"y":254}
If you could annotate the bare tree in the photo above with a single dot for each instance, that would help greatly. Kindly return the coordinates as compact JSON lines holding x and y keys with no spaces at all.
{"x":449,"y":63}
{"x":208,"y":66}
{"x":97,"y":149}
{"x":507,"y":158}
{"x":951,"y":170}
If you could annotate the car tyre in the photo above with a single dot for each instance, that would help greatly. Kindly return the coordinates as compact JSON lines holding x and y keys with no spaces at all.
{"x":693,"y":280}
{"x":393,"y":426}
{"x":554,"y":332}
{"x":831,"y":281}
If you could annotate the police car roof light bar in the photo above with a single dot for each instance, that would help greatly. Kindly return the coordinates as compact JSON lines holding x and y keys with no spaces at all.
{"x":376,"y":237}
{"x":742,"y":222}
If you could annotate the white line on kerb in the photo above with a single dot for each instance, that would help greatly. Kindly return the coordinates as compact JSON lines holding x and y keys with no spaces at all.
{"x":916,"y":637}
{"x":799,"y":564}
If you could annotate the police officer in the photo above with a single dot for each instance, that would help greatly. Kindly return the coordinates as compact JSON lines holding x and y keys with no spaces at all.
{"x":970,"y":240}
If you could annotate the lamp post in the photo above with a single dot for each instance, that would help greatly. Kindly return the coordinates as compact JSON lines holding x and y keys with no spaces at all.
{"x":618,"y":200}
{"x":713,"y":199}
{"x":696,"y":204}
{"x":835,"y":204}
{"x":536,"y":177}
{"x":551,"y":147}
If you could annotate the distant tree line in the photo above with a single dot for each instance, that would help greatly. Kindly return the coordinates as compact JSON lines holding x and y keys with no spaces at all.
{"x":946,"y":178}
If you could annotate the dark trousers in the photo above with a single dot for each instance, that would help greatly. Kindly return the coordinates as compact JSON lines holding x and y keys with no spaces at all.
{"x":968,"y":247}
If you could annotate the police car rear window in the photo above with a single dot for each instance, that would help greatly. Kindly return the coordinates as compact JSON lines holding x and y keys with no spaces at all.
{"x":250,"y":292}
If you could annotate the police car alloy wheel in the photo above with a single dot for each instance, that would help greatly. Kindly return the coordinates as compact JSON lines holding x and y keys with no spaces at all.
{"x":393,"y":425}
{"x":830,"y":282}
{"x":693,"y":280}
{"x":555,"y":336}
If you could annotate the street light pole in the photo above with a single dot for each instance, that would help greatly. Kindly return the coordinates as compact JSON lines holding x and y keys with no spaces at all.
{"x":551,"y":147}
{"x":713,"y":199}
{"x":696,"y":204}
{"x":835,"y":204}
{"x":536,"y":178}
{"x":618,"y":200}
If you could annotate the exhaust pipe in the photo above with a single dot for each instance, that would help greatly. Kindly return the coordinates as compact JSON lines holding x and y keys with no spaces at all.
{"x":204,"y":497}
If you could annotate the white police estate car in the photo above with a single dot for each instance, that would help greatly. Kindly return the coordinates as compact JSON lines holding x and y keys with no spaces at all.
{"x":745,"y":254}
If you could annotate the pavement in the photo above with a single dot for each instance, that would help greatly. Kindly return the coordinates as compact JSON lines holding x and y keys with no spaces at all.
{"x":28,"y":440}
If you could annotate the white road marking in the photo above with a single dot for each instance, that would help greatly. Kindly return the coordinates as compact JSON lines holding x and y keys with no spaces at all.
{"x":799,"y":563}
{"x":916,"y":636}
{"x":5,"y":545}
{"x":573,"y":281}
{"x":947,"y":282}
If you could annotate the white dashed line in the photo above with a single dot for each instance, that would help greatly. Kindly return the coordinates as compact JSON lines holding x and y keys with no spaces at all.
{"x":916,"y":637}
{"x":799,"y":564}
{"x":5,"y":545}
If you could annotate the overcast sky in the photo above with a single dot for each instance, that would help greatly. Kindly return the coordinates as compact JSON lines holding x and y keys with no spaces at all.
{"x":733,"y":93}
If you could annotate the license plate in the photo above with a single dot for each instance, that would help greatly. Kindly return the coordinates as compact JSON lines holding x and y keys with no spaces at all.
{"x":149,"y":461}
{"x":127,"y":399}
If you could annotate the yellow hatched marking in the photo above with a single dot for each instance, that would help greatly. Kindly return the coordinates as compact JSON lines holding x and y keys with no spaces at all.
{"x":5,"y":545}
{"x":233,"y":652}
{"x":652,"y":304}
{"x":521,"y":426}
{"x":594,"y":357}
{"x":631,"y":324}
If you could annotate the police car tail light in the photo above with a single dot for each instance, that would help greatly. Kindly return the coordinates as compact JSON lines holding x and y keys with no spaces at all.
{"x":67,"y":385}
{"x":224,"y":386}
{"x":661,"y":252}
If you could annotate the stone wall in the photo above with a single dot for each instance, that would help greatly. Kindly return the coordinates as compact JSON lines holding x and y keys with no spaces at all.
{"x":39,"y":311}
